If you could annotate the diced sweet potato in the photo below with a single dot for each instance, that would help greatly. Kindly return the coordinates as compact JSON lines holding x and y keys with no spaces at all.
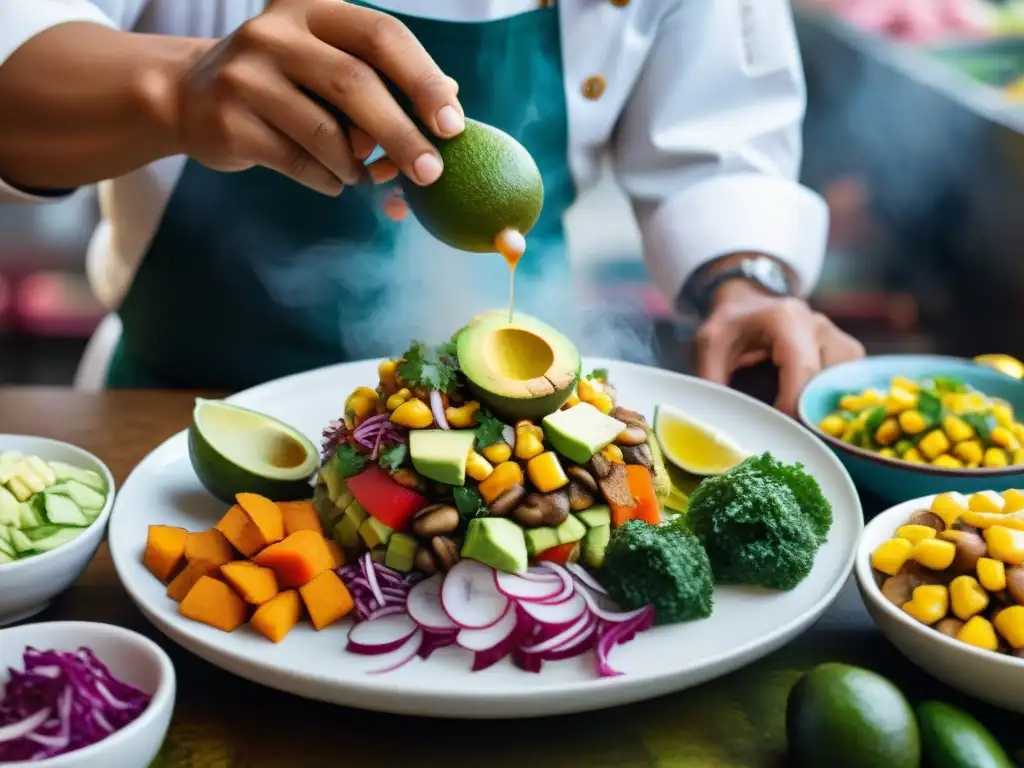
{"x":265,"y":514}
{"x":299,"y":516}
{"x":165,"y":550}
{"x":336,"y":554}
{"x":210,"y":547}
{"x":327,"y":599}
{"x":254,"y":583}
{"x":213,"y":602}
{"x":298,"y":559}
{"x":187,"y":578}
{"x":276,"y":617}
{"x":241,"y":531}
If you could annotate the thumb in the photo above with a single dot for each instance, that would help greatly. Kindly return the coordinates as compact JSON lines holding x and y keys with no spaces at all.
{"x":715,"y":345}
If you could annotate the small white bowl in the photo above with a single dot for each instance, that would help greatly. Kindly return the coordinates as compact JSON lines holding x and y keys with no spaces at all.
{"x":132,"y":658}
{"x":27,"y":586}
{"x":992,"y":677}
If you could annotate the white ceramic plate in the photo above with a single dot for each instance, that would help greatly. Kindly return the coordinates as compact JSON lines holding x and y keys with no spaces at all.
{"x":747,"y":623}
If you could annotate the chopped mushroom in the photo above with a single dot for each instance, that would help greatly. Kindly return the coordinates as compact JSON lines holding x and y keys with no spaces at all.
{"x":628,"y":417}
{"x":614,"y":483}
{"x":638,"y":454}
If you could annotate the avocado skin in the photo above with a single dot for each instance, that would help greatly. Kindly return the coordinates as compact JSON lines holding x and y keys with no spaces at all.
{"x":839,"y":716}
{"x":951,"y":738}
{"x":489,"y":183}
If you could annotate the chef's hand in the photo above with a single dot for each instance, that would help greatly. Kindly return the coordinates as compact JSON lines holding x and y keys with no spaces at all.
{"x":238,"y":104}
{"x":747,"y":326}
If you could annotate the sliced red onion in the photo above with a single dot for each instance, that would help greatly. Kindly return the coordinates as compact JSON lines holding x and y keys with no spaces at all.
{"x":491,"y":656}
{"x":470,"y":598}
{"x":508,"y":434}
{"x":561,"y":638}
{"x":612,"y":617}
{"x":374,"y":422}
{"x":387,"y":610}
{"x":568,"y":585}
{"x":574,"y":647}
{"x":437,"y":408}
{"x":535,"y":573}
{"x":371,"y":638}
{"x":24,"y":727}
{"x":530,"y":590}
{"x":557,"y":614}
{"x":403,"y":655}
{"x":424,"y":606}
{"x":584,"y":576}
{"x":483,"y":639}
{"x":371,"y":578}
{"x":434,"y":641}
{"x":617,"y":634}
{"x":376,"y":446}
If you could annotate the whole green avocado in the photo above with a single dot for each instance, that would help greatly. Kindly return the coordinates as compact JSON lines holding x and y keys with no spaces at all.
{"x":490,"y":183}
{"x":951,"y":738}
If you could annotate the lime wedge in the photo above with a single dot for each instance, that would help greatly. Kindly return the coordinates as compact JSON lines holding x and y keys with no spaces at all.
{"x":235,"y":450}
{"x":694,"y":446}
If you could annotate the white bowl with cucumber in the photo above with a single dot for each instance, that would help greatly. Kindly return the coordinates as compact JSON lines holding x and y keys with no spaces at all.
{"x":55,"y":499}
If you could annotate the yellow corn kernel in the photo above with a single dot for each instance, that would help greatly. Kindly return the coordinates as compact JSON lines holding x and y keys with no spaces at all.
{"x":1003,"y":437}
{"x":967,"y":597}
{"x":949,"y":506}
{"x":902,"y":382}
{"x":497,"y":452}
{"x":851,"y":403}
{"x":414,"y":414}
{"x":1013,"y":500}
{"x":912,"y":422}
{"x":935,"y":443}
{"x":574,"y":399}
{"x":890,"y":556}
{"x":900,"y":399}
{"x":934,"y":553}
{"x":954,"y":402}
{"x":833,"y":425}
{"x":986,"y":501}
{"x":913,"y":456}
{"x":969,"y":451}
{"x":586,"y":389}
{"x":1018,"y":456}
{"x":1010,"y":624}
{"x":464,"y":416}
{"x":398,"y":398}
{"x":975,"y":401}
{"x":947,"y":461}
{"x":613,"y":454}
{"x":360,"y":407}
{"x":888,"y":432}
{"x":1006,"y":544}
{"x":995,"y":457}
{"x":888,"y":453}
{"x":979,"y":632}
{"x":477,"y":467}
{"x":930,"y":603}
{"x":545,"y":472}
{"x":529,"y":440}
{"x":1003,"y":414}
{"x":914,"y":533}
{"x":500,"y":480}
{"x":388,"y":372}
{"x":957,"y":429}
{"x":983,"y":519}
{"x":972,"y":465}
{"x":603,"y":402}
{"x":1018,"y":431}
{"x":873,"y":397}
{"x":991,"y":574}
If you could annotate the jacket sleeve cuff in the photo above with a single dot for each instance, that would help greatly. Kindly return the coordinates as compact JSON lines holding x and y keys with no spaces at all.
{"x":731,"y":214}
{"x":21,"y":22}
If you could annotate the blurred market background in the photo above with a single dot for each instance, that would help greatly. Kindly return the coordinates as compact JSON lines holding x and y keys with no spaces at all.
{"x":914,"y":134}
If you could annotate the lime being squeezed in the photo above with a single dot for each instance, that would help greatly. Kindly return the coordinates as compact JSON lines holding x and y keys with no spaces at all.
{"x":488,"y":198}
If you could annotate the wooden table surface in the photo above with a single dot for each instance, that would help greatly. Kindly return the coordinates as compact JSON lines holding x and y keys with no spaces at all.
{"x":224,"y":722}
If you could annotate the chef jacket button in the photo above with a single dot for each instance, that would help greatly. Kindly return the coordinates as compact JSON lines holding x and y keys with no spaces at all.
{"x":593,"y":87}
{"x":620,"y":3}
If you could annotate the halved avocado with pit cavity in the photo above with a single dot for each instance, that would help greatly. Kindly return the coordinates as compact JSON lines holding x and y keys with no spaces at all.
{"x":235,"y":450}
{"x":520,"y":370}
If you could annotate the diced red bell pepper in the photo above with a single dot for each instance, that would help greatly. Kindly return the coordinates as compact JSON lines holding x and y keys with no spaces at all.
{"x":384,"y":499}
{"x":563,"y":554}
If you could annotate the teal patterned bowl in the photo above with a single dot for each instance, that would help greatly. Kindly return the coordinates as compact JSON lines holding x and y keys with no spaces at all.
{"x":892,"y":479}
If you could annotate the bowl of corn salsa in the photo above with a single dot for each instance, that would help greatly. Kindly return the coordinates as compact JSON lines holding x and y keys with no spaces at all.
{"x":907,"y":426}
{"x":943,"y":578}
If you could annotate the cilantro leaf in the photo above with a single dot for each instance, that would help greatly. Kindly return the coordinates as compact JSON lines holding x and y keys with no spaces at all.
{"x":874,"y":420}
{"x":488,"y":430}
{"x":350,"y":461}
{"x":983,"y":423}
{"x":425,"y":366}
{"x":468,"y":502}
{"x":601,"y":374}
{"x":391,"y":458}
{"x":930,"y":406}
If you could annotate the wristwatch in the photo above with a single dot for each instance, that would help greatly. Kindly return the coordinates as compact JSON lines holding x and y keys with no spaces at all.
{"x":766,"y":273}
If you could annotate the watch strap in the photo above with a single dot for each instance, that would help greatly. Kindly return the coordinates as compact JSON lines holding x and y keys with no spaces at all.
{"x":764,"y":272}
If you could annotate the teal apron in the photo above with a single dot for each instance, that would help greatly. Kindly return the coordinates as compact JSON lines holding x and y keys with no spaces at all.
{"x":245,"y":279}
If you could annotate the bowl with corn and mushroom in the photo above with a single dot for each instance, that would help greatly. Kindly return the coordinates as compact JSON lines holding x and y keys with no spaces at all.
{"x":907,"y":426}
{"x":943,"y":578}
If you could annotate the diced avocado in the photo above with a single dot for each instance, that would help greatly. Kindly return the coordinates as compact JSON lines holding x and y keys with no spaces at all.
{"x":374,"y":533}
{"x":9,"y":509}
{"x":595,"y":516}
{"x":496,"y":542}
{"x":441,"y":454}
{"x":581,"y":431}
{"x":401,"y":550}
{"x":326,"y":510}
{"x":346,"y":529}
{"x":594,"y":545}
{"x":570,"y":530}
{"x":337,"y":488}
{"x":379,"y":555}
{"x":539,"y":539}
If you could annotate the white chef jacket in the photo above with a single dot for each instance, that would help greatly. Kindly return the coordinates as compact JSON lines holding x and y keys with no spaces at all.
{"x":701,"y":112}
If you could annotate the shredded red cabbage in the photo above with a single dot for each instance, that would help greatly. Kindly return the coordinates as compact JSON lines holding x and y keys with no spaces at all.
{"x":63,"y":702}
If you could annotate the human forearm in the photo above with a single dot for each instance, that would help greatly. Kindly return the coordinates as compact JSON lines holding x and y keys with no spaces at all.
{"x":78,"y":104}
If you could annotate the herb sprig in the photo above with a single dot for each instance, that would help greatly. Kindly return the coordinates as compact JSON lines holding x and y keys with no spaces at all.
{"x":430,"y":367}
{"x":488,"y":430}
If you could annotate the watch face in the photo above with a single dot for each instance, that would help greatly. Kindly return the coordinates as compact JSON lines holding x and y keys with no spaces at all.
{"x":768,"y":274}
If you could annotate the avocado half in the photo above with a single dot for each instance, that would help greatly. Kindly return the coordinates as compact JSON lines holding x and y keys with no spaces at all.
{"x":236,"y":450}
{"x":490,"y":183}
{"x":523,"y":369}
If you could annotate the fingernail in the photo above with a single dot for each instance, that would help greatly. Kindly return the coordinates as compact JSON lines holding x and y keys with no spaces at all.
{"x":449,"y":121}
{"x":427,"y":168}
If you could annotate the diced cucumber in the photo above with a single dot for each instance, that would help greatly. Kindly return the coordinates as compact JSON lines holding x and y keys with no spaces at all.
{"x":30,"y":516}
{"x":59,"y":538}
{"x":42,"y":470}
{"x":42,"y":531}
{"x":17,"y":486}
{"x":6,"y":548}
{"x":85,"y":476}
{"x":92,"y":514}
{"x":9,"y":508}
{"x":5,"y":533}
{"x":60,"y":510}
{"x":84,"y":496}
{"x":6,"y":558}
{"x":20,"y":542}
